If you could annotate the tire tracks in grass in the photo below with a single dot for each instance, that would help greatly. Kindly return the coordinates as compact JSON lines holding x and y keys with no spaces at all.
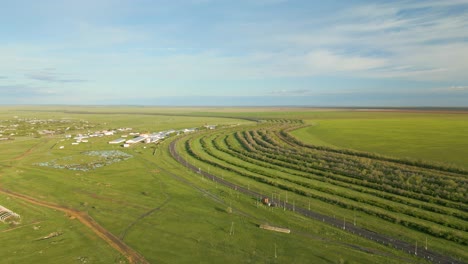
{"x":88,"y":221}
{"x":150,"y":212}
{"x":28,"y":151}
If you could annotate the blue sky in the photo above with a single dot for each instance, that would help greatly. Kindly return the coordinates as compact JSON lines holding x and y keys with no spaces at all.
{"x":243,"y":52}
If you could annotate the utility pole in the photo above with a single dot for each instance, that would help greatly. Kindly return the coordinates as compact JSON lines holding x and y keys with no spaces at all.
{"x":426,"y":244}
{"x":309,"y":205}
{"x":416,"y":248}
{"x":344,"y":223}
{"x":232,"y":229}
{"x":354,"y":218}
{"x":276,"y":256}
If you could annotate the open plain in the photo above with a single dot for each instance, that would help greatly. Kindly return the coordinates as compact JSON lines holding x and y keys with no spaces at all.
{"x":331,"y":176}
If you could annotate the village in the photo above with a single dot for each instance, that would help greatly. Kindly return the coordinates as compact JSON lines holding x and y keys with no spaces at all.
{"x":18,"y":127}
{"x":128,"y":138}
{"x":35,"y":127}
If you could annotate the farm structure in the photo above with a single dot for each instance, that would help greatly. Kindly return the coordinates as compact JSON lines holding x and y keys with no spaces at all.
{"x":6,"y":213}
{"x":80,"y":137}
{"x":117,"y":141}
{"x":150,"y":138}
{"x":136,"y":140}
{"x":189,"y":130}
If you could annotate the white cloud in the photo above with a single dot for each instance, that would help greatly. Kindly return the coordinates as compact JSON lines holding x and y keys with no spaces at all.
{"x":324,"y":61}
{"x":383,"y":41}
{"x":409,"y":40}
{"x":452,"y":89}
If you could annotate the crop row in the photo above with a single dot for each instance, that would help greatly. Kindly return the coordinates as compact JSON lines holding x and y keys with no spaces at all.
{"x":306,"y":164}
{"x":311,"y":165}
{"x":287,"y":137}
{"x":317,"y":191}
{"x":266,"y":160}
{"x":406,"y":206}
{"x":435,"y":186}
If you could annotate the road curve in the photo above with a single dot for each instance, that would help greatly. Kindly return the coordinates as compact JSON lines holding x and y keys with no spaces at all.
{"x":349,"y":227}
{"x":84,"y":218}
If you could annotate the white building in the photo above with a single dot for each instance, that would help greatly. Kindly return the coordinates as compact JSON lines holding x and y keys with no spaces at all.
{"x":117,"y":141}
{"x":136,"y":140}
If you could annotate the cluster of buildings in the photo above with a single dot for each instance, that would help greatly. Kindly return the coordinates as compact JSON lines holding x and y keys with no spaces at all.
{"x":7,"y":130}
{"x":149,"y":138}
{"x":125,"y":139}
{"x":84,"y":138}
{"x":40,"y":127}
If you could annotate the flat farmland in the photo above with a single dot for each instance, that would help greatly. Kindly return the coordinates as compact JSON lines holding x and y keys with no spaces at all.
{"x":166,"y":212}
{"x":431,"y":137}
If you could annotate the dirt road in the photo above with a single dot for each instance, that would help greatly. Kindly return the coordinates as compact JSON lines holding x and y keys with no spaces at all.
{"x":84,"y":218}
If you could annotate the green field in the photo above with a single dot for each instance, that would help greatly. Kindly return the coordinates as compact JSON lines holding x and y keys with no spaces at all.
{"x":23,"y":244}
{"x":431,"y":137}
{"x":172,"y":215}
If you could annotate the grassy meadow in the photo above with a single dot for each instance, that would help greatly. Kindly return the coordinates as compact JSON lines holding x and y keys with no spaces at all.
{"x":23,"y":243}
{"x":169,"y":214}
{"x":440,"y":138}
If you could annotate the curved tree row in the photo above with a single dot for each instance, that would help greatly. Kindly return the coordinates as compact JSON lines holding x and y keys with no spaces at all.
{"x":284,"y":133}
{"x":427,"y":254}
{"x":337,"y":178}
{"x":400,"y":205}
{"x":359,"y":197}
{"x":448,"y":190}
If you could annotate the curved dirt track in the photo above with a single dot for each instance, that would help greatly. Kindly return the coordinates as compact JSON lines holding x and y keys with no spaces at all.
{"x":84,"y":218}
{"x":339,"y":223}
{"x":28,"y":151}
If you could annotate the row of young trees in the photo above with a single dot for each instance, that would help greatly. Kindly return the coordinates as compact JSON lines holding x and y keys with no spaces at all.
{"x":362,"y":186}
{"x":266,"y":160}
{"x":255,"y":154}
{"x":284,"y":133}
{"x":449,"y":186}
{"x":368,"y":177}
